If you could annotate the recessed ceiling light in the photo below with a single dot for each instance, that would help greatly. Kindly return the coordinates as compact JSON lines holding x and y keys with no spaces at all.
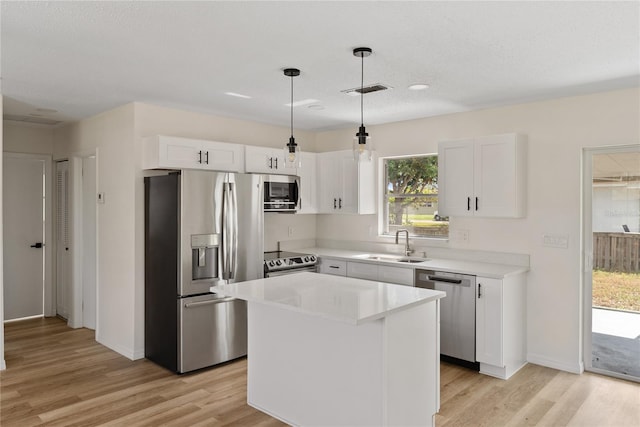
{"x":419,"y":86}
{"x":238,"y":95}
{"x":303,"y":102}
{"x":316,"y":107}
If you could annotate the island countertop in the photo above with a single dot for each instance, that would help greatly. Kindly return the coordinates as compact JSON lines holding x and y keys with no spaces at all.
{"x":348,"y":300}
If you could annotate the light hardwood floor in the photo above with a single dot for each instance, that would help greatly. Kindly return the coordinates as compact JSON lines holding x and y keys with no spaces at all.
{"x":58,"y":376}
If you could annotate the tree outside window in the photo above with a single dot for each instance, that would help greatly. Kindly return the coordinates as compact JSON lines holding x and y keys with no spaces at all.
{"x":411,"y":197}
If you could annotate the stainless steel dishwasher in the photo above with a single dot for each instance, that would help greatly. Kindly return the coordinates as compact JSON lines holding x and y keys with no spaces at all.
{"x":457,"y":311}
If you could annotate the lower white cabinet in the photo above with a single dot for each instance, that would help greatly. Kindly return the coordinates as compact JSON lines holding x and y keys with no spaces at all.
{"x":332,"y":266}
{"x":501,"y":325}
{"x":380,"y":273}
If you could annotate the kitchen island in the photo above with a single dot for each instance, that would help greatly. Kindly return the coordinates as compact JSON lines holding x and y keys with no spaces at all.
{"x":328,"y":351}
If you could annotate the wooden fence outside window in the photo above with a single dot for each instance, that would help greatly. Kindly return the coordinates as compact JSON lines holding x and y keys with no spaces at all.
{"x":616,"y":252}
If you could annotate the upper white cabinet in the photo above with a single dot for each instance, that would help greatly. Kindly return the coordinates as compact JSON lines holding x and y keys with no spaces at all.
{"x":308,"y":173}
{"x":483,"y":176}
{"x":345,"y":185}
{"x":266,"y":160}
{"x":501,"y":325}
{"x":172,"y":152}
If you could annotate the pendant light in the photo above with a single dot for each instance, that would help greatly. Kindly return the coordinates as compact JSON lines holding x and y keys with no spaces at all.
{"x":291,"y":150}
{"x":362,"y":145}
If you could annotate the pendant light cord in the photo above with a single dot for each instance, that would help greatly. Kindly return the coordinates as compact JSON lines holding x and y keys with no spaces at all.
{"x":361,"y":88}
{"x":292,"y":106}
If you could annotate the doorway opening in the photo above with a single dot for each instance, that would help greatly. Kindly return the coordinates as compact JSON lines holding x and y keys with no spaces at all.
{"x":612,"y":250}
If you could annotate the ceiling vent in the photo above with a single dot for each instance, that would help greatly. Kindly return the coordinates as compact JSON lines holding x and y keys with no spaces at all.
{"x":31,"y":120}
{"x":366,"y":89}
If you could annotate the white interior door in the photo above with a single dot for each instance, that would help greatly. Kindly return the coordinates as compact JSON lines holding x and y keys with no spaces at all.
{"x":89,"y":242}
{"x":63,"y":256}
{"x":24,"y":233}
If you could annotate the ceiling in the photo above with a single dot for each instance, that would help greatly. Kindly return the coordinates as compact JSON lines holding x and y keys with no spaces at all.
{"x":82,"y":58}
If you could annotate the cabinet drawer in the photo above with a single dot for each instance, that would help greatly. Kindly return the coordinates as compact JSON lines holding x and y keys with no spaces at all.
{"x":332,"y":266}
{"x":397,"y":275}
{"x":362,"y":270}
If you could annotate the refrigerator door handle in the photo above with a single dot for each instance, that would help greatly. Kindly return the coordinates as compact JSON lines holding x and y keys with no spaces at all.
{"x":209,"y":302}
{"x":230,"y":231}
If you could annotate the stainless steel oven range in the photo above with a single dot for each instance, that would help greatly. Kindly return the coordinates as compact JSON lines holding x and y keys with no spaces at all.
{"x":279,"y":263}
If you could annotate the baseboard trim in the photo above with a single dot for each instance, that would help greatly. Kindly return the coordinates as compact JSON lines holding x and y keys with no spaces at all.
{"x":138,"y":354}
{"x":3,"y":365}
{"x":124,"y":351}
{"x":537,"y":359}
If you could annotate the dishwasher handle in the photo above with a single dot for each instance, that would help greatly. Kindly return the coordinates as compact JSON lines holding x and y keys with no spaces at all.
{"x":445,"y":279}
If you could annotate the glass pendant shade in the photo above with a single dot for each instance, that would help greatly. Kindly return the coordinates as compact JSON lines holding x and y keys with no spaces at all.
{"x":292,"y":154}
{"x":362,"y":146}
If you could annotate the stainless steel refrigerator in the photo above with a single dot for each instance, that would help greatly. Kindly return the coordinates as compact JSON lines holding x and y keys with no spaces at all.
{"x":201,"y":227}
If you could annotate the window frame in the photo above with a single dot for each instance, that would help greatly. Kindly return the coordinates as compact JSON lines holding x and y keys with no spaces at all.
{"x":383,"y":223}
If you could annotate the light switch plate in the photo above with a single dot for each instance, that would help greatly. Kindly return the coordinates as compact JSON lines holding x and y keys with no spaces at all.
{"x":101,"y":197}
{"x":555,"y":240}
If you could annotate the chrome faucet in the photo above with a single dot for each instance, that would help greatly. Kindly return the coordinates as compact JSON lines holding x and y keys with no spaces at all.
{"x":407,"y":250}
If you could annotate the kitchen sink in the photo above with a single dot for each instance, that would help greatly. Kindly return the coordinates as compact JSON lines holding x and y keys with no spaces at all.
{"x":392,"y":258}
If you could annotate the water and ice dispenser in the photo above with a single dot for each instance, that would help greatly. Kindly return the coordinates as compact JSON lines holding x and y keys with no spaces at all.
{"x":204,"y":256}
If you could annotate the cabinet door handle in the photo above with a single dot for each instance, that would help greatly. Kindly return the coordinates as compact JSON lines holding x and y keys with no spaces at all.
{"x":468,"y":203}
{"x":276,"y":163}
{"x":334,"y":266}
{"x":206,"y":157}
{"x":270,"y":162}
{"x":334,"y":203}
{"x":340,"y":203}
{"x":200,"y":156}
{"x":479,"y":290}
{"x":476,"y":204}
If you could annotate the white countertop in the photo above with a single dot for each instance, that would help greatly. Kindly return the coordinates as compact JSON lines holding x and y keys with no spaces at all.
{"x":345,"y":299}
{"x":484,"y":269}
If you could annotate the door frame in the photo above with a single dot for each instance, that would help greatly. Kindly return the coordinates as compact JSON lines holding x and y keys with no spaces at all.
{"x":586,"y":244}
{"x":76,"y":315}
{"x":49,"y":244}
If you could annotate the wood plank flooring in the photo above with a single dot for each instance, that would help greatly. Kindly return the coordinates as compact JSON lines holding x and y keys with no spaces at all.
{"x":59,"y":376}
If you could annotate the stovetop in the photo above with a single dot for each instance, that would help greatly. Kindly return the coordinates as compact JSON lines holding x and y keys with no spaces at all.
{"x":281,"y":260}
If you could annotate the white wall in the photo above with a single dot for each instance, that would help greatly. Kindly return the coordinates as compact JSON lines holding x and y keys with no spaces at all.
{"x":25,"y":139}
{"x":110,"y":134}
{"x":615,"y":204}
{"x":557,"y":132}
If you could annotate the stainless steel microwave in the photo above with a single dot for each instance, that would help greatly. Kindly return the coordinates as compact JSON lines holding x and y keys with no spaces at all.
{"x":281,"y":193}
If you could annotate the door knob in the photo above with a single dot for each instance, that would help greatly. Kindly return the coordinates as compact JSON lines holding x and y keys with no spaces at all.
{"x":37,"y":245}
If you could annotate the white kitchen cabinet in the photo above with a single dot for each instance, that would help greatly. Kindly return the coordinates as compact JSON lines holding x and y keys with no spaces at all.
{"x":362,"y":270}
{"x":483,"y":176}
{"x":308,"y":173}
{"x":397,"y":275}
{"x":345,"y":185}
{"x":380,"y":273}
{"x":171,"y":152}
{"x":332,"y":266}
{"x":500,"y":325}
{"x":266,"y":160}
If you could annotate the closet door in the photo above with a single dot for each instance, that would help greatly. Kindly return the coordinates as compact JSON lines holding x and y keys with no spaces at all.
{"x":63,"y":241}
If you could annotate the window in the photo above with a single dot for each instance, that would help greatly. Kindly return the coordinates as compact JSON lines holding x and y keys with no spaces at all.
{"x":410,"y":197}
